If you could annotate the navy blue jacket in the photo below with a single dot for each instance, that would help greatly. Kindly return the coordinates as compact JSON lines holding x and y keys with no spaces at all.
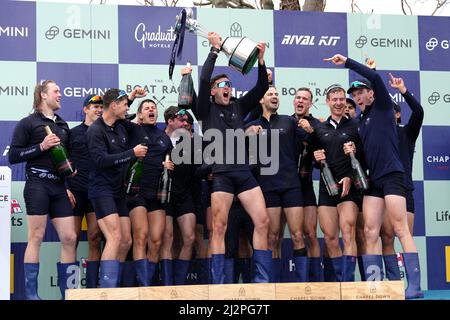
{"x":232,"y":116}
{"x":408,"y":135}
{"x":288,"y":132}
{"x":28,"y":135}
{"x":110,"y":154}
{"x":377,"y":127}
{"x":79,"y":155}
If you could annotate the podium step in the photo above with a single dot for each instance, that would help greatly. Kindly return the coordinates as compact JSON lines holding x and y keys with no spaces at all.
{"x":373,"y":290}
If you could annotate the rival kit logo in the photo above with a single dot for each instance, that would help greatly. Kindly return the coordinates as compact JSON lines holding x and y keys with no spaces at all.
{"x":383,"y":42}
{"x":68,"y":33}
{"x":309,"y":40}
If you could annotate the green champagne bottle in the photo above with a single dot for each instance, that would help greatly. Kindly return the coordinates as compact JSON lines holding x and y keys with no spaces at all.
{"x":186,"y":91}
{"x":134,"y":174}
{"x":60,"y":158}
{"x":359,"y":177}
{"x":328,"y":179}
{"x":165,"y":184}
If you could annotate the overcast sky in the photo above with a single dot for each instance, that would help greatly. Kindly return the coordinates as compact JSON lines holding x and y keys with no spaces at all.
{"x":419,"y":7}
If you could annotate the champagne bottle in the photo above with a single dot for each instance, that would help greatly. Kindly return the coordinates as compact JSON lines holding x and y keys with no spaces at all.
{"x":186,"y":91}
{"x":165,"y":184}
{"x":359,"y":177}
{"x":60,"y":158}
{"x":328,"y":179}
{"x":134,"y":175}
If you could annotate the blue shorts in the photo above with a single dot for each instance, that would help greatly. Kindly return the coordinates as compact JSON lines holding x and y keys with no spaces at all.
{"x":83,"y":205}
{"x":284,"y":198}
{"x":107,"y":205}
{"x":389,"y":184}
{"x":150,"y":204}
{"x":308,"y":194}
{"x":410,"y":201}
{"x":180,"y":206}
{"x":326,"y":200}
{"x":43,"y":196}
{"x":234,"y":182}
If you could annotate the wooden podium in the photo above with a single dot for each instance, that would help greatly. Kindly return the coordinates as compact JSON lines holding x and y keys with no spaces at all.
{"x":372,"y":290}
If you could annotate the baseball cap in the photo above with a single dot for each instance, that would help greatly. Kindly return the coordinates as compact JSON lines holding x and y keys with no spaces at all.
{"x":359,"y":84}
{"x":92,"y":98}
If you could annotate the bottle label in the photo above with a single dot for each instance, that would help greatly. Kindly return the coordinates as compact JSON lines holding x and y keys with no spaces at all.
{"x":65,"y":168}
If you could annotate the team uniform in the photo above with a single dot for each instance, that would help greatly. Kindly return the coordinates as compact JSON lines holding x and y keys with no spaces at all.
{"x":110,"y":154}
{"x":45,"y":191}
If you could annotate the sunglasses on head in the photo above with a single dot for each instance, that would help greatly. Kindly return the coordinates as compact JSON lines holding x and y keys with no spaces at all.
{"x":357,"y":84}
{"x":95,"y":100}
{"x":224,"y":84}
{"x":122,"y":94}
{"x":181,"y":112}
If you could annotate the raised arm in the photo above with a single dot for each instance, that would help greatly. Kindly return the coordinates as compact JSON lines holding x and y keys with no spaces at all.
{"x":415,"y":121}
{"x":381,"y":93}
{"x":251,"y":99}
{"x":204,"y":91}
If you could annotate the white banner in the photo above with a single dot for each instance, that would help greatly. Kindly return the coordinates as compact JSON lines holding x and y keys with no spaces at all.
{"x":5,"y":232}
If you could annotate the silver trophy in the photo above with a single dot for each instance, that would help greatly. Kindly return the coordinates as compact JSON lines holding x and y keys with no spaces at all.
{"x":241,"y":51}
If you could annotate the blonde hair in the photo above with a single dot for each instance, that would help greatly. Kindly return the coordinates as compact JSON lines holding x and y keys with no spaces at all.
{"x":38,"y":89}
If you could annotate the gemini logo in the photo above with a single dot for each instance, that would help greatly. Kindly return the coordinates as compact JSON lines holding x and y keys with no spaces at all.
{"x":435,"y":97}
{"x":14,"y":32}
{"x":433,"y":43}
{"x":383,"y":42}
{"x":54,"y":31}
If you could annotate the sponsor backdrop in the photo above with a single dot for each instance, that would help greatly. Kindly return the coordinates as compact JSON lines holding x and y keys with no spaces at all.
{"x":91,"y":48}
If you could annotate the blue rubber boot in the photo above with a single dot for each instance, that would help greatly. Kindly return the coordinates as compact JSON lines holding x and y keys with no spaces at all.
{"x":412,"y":267}
{"x":109,"y":273}
{"x":328,"y":270}
{"x":315,"y":270}
{"x":166,"y":272}
{"x":301,"y":269}
{"x":203,"y":271}
{"x":361,"y":269}
{"x":180,"y":271}
{"x":128,"y":275}
{"x":217,"y":268}
{"x":247,"y":270}
{"x":262,"y":265}
{"x":373,"y":267}
{"x":68,"y":276}
{"x":92,"y":268}
{"x":229,"y":270}
{"x":391,"y":267}
{"x":31,"y":272}
{"x":348,"y":268}
{"x":276,"y":273}
{"x":142,"y":272}
{"x":337,"y":266}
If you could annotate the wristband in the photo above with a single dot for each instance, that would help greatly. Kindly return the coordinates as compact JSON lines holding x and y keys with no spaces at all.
{"x":214,"y":49}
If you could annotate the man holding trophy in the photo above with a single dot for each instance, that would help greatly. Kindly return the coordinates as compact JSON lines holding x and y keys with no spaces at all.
{"x":218,"y":110}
